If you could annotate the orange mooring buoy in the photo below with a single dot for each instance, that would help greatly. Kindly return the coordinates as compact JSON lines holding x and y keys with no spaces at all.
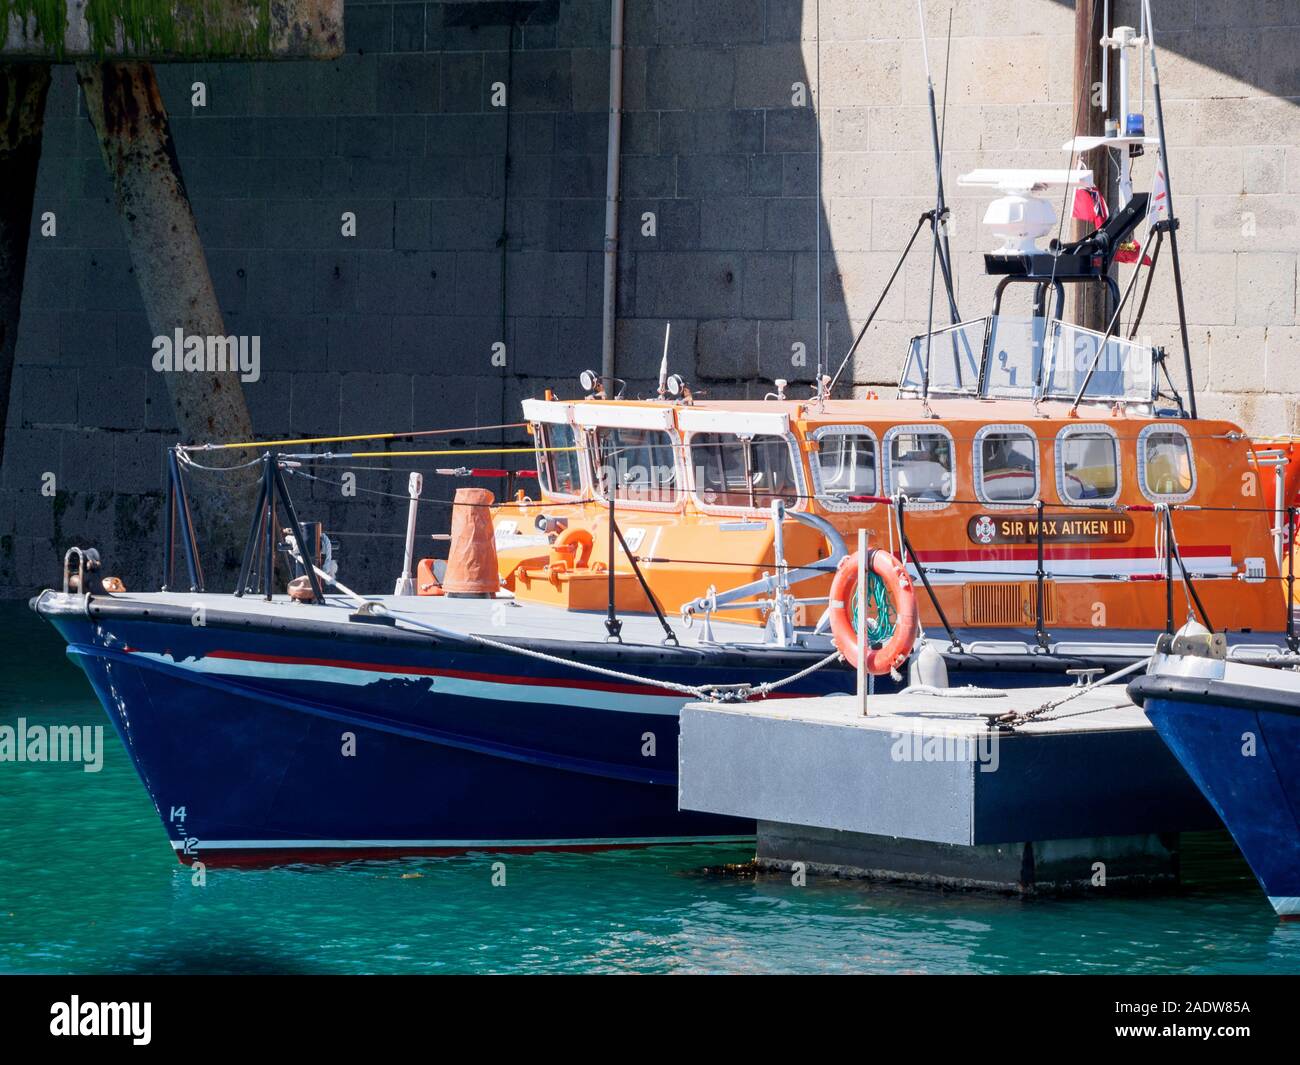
{"x":472,"y":557}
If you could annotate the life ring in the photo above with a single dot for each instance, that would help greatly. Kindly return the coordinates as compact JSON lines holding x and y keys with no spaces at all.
{"x":897,"y":645}
{"x":575,"y":541}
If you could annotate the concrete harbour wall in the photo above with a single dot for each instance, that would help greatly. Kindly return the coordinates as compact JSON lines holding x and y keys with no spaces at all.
{"x":479,"y":225}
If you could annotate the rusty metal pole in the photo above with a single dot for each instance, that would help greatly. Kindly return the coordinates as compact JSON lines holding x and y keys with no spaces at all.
{"x":1090,"y":300}
{"x":23,"y":88}
{"x":127,"y":111}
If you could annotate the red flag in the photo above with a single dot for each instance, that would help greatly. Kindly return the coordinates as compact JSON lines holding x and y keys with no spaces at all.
{"x":1090,"y":206}
{"x":1128,"y":253}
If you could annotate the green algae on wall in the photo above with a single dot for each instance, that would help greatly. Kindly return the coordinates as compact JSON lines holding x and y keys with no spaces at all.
{"x":152,"y":27}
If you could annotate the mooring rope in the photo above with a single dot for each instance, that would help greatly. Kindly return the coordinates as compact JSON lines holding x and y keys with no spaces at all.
{"x":714,"y":693}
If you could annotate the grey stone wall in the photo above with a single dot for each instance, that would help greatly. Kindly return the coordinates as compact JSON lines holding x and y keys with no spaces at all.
{"x":479,"y":224}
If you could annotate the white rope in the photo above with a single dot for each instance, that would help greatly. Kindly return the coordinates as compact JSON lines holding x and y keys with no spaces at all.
{"x":685,"y":689}
{"x":707,"y":692}
{"x":968,"y":691}
{"x":1177,"y":551}
{"x":763,"y":689}
{"x":704,"y":692}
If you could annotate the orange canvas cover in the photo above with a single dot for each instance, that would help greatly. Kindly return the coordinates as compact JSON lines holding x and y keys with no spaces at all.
{"x":472,"y":557}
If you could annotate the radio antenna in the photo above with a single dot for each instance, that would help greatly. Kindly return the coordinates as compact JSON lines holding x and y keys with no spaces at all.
{"x":817,"y":213}
{"x":663,"y":363}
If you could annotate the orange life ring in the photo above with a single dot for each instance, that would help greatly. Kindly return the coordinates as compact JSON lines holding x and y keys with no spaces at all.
{"x":893,"y":653}
{"x":575,"y":540}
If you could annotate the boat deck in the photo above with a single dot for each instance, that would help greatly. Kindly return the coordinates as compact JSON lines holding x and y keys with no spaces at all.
{"x":500,"y":618}
{"x":505,"y":617}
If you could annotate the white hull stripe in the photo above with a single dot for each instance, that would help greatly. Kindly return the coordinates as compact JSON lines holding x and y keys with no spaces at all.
{"x":1061,"y":568}
{"x":1286,"y":905}
{"x":666,"y":705}
{"x":468,"y":844}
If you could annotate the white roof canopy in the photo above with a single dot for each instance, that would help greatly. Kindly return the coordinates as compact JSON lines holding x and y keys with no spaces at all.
{"x":547,"y":410}
{"x":740,"y":422}
{"x":618,"y":416}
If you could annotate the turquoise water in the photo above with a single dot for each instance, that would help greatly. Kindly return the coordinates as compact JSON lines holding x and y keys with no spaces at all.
{"x":88,"y":884}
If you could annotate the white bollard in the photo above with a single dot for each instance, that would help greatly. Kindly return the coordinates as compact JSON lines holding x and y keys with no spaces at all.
{"x":406,"y":582}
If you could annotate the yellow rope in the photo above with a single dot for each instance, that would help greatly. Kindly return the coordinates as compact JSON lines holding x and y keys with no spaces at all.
{"x":344,"y":439}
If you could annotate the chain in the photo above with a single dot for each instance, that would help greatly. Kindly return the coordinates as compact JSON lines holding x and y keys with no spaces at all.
{"x":1014,"y":718}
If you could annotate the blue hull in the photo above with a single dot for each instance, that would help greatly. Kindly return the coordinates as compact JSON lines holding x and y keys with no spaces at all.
{"x":257,"y":747}
{"x":271,"y":739}
{"x":1244,"y":755}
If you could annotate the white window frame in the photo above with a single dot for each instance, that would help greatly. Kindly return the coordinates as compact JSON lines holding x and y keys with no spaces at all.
{"x":1164,"y":497}
{"x":584,"y":474}
{"x":814,"y":465}
{"x":796,"y":461}
{"x":887,"y":463}
{"x":1086,"y":429}
{"x":593,"y":451}
{"x":977,"y":465}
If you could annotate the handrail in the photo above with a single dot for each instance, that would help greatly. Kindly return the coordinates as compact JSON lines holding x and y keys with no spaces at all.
{"x":730,"y":599}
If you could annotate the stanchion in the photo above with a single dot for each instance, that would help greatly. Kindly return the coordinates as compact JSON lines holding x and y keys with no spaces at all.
{"x":862,"y":622}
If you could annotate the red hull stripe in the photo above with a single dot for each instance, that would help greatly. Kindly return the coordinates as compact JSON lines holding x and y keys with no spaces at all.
{"x":460,"y":674}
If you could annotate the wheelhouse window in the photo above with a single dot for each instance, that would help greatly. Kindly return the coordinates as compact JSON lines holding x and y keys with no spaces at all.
{"x":844,"y":465}
{"x":640,"y":462}
{"x":735,"y":471}
{"x":920,"y":464}
{"x":1015,"y":356}
{"x":952,"y":355}
{"x":561,"y":471}
{"x":1166,"y":460}
{"x":1087,"y":466}
{"x":1006,"y":464}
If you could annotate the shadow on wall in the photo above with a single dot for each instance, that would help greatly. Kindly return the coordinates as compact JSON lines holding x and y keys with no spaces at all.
{"x":1250,"y":42}
{"x":477,"y":229}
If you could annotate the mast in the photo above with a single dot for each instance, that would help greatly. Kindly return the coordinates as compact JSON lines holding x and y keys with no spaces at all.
{"x":939,"y":222}
{"x":941,"y":251}
{"x":1090,"y":300}
{"x":1171,"y":223}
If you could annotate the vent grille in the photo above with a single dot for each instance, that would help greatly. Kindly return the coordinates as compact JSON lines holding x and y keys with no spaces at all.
{"x":1007,"y":602}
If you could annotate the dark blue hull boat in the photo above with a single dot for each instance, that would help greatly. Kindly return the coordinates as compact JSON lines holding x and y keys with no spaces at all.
{"x":274,"y":731}
{"x":1236,"y":730}
{"x":272,"y":738}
